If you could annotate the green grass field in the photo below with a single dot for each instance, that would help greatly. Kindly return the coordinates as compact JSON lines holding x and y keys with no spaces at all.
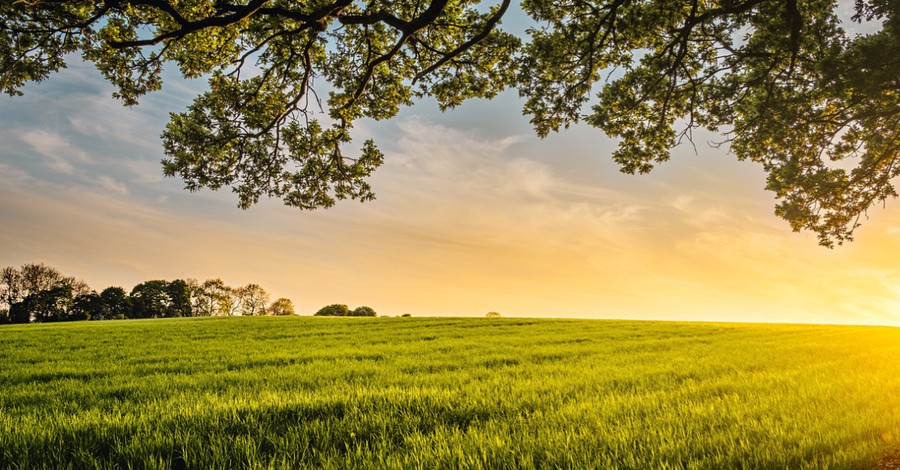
{"x":446,"y":393}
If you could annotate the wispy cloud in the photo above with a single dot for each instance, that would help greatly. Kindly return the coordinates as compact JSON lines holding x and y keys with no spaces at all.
{"x":112,"y":186}
{"x":13,"y":175}
{"x":97,"y":116}
{"x":58,"y":151}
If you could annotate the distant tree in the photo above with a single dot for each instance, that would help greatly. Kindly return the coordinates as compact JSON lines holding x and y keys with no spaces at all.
{"x":20,"y":312}
{"x":252,"y":300}
{"x":281,"y":306}
{"x":116,"y":304}
{"x":37,"y":277}
{"x":51,"y":305}
{"x":10,"y":286}
{"x":213,"y":298}
{"x":405,"y":315}
{"x":17,"y":284}
{"x":333,"y":310}
{"x":194,"y":286}
{"x":210,"y":298}
{"x":78,"y":286}
{"x":150,"y":299}
{"x":180,"y":294}
{"x":86,"y":307}
{"x":493,"y":315}
{"x":363,"y":311}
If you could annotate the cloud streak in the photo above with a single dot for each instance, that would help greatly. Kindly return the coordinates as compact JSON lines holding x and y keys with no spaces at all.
{"x":58,"y":152}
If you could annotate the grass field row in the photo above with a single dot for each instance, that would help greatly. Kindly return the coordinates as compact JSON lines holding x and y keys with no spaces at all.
{"x":446,"y":393}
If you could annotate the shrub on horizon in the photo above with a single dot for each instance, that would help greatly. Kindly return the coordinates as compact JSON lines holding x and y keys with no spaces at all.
{"x":363,"y":311}
{"x":333,"y":310}
{"x":281,"y":306}
{"x":492,"y":315}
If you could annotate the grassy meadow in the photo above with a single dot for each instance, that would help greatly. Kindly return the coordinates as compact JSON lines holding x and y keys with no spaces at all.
{"x":269,"y":392}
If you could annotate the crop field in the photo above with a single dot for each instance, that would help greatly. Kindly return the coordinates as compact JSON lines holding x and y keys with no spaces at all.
{"x":304,"y":392}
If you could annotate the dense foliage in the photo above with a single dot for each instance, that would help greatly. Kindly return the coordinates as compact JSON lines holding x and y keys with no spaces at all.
{"x":341,"y":310}
{"x":781,"y":79}
{"x":281,"y":306}
{"x":386,"y":393}
{"x":363,"y":311}
{"x":39,"y":293}
{"x":333,"y":310}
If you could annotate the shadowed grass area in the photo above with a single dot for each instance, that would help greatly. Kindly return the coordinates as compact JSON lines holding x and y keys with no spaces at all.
{"x":446,"y":393}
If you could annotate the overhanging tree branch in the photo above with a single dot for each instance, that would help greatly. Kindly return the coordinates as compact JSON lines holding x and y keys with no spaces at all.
{"x":789,"y":88}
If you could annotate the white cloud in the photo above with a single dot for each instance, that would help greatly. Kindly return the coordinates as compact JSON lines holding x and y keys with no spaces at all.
{"x":110,"y":185}
{"x":101,"y":117}
{"x":447,"y":167}
{"x":58,"y":151}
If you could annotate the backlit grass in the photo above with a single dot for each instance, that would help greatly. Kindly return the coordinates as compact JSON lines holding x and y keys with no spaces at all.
{"x":446,"y":393}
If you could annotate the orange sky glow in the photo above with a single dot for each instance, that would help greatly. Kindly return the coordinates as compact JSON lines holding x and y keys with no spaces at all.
{"x":473,"y":214}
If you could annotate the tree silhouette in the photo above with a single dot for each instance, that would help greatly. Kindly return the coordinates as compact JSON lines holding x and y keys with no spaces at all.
{"x":363,"y":311}
{"x":281,"y":306}
{"x":333,"y":310}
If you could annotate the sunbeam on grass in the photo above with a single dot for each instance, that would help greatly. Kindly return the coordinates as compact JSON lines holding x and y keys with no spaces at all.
{"x":446,"y":393}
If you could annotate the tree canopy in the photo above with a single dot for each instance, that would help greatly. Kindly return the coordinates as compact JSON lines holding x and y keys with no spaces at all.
{"x":782,"y":80}
{"x":281,"y":306}
{"x":333,"y":310}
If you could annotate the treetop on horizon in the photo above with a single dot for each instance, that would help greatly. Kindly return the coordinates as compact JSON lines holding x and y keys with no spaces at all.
{"x":781,"y":80}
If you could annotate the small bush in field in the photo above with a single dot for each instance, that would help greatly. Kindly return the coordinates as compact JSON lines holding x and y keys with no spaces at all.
{"x":333,"y":310}
{"x":363,"y":311}
{"x":281,"y":306}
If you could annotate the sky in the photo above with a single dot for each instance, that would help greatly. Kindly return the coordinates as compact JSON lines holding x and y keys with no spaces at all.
{"x":473,"y":214}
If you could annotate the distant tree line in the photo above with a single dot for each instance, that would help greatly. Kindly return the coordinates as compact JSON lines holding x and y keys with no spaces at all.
{"x":39,"y":293}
